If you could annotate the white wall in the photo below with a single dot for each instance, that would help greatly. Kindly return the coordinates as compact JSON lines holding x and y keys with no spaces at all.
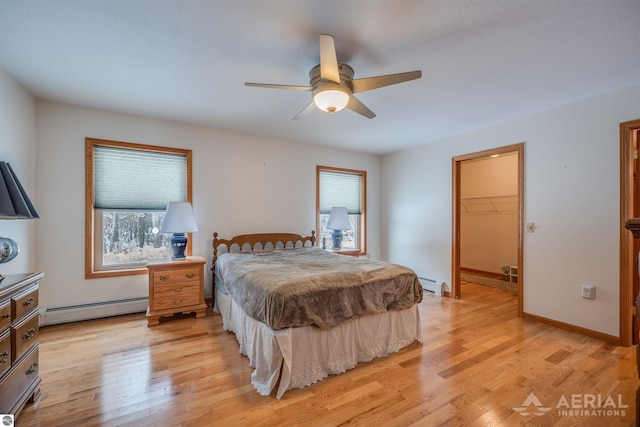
{"x":572,"y":186}
{"x":17,"y":147}
{"x":241,"y":184}
{"x":244,"y":184}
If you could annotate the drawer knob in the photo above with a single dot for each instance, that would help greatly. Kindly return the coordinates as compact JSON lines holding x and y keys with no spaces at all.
{"x":28,"y":301}
{"x":191,"y":275}
{"x":29,"y":334}
{"x":178,"y":289}
{"x":178,"y":302}
{"x":164,"y":277}
{"x":4,"y":355}
{"x":32,"y":369}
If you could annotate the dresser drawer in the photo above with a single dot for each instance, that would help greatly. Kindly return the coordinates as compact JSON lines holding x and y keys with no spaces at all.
{"x":177,"y":275}
{"x":5,"y":351}
{"x":25,"y":301}
{"x":24,"y":335}
{"x":24,"y":377}
{"x":176,"y":295}
{"x":5,"y":314}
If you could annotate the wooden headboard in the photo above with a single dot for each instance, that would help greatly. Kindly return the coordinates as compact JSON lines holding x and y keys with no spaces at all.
{"x":262,"y":239}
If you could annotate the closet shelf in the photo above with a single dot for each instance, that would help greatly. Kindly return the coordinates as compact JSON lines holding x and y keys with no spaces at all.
{"x":490,"y":205}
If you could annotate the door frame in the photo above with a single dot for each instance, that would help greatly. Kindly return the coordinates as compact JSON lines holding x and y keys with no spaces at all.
{"x":627,"y":202}
{"x":455,"y":229}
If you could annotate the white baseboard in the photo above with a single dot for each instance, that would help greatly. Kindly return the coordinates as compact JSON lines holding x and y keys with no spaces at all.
{"x":76,"y":313}
{"x":433,"y":286}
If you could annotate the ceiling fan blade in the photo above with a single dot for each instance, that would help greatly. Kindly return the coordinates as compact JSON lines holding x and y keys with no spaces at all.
{"x":305,"y":111}
{"x":328,"y":59}
{"x":357,"y":106}
{"x":272,"y":86}
{"x":368,"y":83}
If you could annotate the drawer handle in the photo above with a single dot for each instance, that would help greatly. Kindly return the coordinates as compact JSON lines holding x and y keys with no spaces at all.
{"x":6,"y":316}
{"x":29,"y":334}
{"x":28,"y":301}
{"x":177,"y":289}
{"x":32,"y":369}
{"x":4,"y":355}
{"x":164,"y":277}
{"x":178,"y":302}
{"x":191,"y":275}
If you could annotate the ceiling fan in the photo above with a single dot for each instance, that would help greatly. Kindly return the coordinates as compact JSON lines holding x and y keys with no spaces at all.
{"x":332,"y":84}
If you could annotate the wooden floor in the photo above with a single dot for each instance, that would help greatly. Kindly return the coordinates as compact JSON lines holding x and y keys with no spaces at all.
{"x":478,"y":365}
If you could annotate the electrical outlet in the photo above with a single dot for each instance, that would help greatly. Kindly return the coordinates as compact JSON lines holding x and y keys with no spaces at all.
{"x":588,"y":291}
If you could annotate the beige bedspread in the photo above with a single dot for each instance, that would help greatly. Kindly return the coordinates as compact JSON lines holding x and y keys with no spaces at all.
{"x":310,"y":286}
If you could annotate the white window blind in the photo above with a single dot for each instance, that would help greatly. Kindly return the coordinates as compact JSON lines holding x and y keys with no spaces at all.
{"x":340,"y":189}
{"x":137,"y":179}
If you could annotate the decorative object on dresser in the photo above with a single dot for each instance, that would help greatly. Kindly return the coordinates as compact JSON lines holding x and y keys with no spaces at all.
{"x":178,"y":219}
{"x":176,"y":286}
{"x":14,"y":204}
{"x":19,"y":326}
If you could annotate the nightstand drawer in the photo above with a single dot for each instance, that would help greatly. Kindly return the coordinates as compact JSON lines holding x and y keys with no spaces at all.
{"x":5,"y":314}
{"x":176,"y":295}
{"x":25,"y":302}
{"x":5,"y":351}
{"x":25,"y":335}
{"x":177,"y":275}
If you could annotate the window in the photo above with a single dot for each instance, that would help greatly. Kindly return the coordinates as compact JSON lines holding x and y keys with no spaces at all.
{"x":128,"y":187}
{"x":337,"y":187}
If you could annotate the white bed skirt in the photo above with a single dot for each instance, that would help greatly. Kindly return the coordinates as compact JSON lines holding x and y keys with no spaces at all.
{"x":299,"y":357}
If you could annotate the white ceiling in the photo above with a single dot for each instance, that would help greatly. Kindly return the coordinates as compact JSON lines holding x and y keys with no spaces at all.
{"x":483,"y":62}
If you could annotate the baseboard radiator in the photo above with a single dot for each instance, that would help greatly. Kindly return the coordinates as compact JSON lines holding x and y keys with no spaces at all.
{"x":96,"y":310}
{"x":433,"y":286}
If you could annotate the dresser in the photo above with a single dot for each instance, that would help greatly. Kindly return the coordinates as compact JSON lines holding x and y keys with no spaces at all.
{"x":19,"y":326}
{"x":175,"y":286}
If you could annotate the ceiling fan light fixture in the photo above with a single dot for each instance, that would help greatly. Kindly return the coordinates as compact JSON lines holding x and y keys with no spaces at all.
{"x":331,"y":99}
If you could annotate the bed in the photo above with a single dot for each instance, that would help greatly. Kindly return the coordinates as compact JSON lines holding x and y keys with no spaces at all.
{"x":301,"y":313}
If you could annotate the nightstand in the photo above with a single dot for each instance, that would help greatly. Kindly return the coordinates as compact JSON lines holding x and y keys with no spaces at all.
{"x":351,"y":252}
{"x":175,"y":286}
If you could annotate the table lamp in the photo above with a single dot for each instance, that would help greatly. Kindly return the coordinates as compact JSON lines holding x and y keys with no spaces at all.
{"x":178,"y":219}
{"x":338,"y":221}
{"x":14,"y":204}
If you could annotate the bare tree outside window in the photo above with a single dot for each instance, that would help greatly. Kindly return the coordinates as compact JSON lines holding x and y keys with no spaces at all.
{"x":133,"y":238}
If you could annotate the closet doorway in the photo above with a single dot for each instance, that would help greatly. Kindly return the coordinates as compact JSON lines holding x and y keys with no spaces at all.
{"x":482,"y":209}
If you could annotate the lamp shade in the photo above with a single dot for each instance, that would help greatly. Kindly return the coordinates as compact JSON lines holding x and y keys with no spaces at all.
{"x":339,"y":219}
{"x":331,"y":99}
{"x":14,"y":201}
{"x":178,"y":218}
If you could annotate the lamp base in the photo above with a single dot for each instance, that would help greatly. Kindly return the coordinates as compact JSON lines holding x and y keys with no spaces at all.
{"x":178,"y":245}
{"x":8,"y":249}
{"x":336,"y":239}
